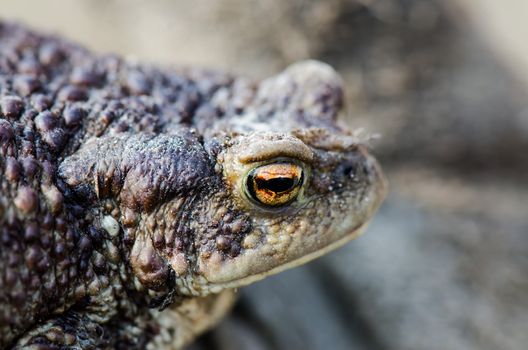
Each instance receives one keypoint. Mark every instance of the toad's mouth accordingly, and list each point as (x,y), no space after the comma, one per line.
(217,286)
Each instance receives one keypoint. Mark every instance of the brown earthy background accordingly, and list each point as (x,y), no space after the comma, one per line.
(445,263)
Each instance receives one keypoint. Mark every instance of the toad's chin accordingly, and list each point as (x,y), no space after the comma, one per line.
(253,266)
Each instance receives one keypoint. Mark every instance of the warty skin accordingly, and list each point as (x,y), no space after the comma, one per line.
(133,199)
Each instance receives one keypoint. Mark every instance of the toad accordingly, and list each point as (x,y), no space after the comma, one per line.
(134,199)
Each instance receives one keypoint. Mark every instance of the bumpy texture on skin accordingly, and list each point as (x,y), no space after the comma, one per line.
(122,191)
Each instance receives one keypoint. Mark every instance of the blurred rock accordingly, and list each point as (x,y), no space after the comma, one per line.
(442,265)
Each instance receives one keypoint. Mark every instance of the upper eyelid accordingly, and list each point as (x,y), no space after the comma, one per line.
(279,159)
(275,150)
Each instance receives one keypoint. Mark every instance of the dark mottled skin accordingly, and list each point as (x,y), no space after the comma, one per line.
(112,193)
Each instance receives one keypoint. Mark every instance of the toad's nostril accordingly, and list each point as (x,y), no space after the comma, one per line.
(347,171)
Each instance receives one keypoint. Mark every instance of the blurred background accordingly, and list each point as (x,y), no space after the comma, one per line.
(445,263)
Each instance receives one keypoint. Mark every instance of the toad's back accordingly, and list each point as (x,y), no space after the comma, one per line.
(54,96)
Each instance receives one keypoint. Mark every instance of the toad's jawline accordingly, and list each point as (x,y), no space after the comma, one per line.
(296,262)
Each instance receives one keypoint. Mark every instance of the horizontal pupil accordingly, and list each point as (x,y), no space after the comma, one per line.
(278,184)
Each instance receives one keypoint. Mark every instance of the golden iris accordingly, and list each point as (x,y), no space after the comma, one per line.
(275,184)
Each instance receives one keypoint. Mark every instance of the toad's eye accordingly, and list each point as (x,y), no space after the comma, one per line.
(275,184)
